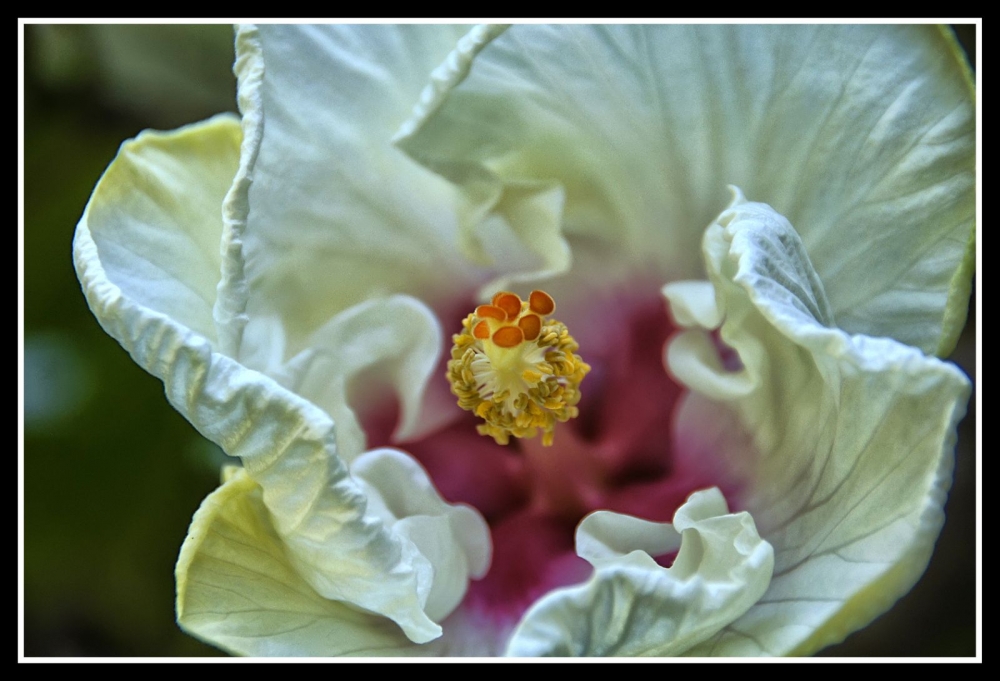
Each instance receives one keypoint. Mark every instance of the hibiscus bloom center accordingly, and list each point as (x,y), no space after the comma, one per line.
(622,453)
(516,369)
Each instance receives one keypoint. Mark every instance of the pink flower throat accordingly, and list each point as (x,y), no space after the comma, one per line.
(620,454)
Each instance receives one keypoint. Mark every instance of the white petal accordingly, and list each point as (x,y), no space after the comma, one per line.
(396,340)
(851,442)
(327,212)
(862,135)
(287,444)
(237,588)
(692,303)
(604,537)
(453,540)
(156,218)
(694,361)
(631,605)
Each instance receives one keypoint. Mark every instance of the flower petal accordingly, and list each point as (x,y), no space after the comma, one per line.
(395,340)
(328,213)
(159,243)
(238,589)
(862,135)
(631,605)
(693,303)
(287,444)
(852,441)
(454,540)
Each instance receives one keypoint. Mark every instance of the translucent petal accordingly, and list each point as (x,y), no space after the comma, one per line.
(862,135)
(850,441)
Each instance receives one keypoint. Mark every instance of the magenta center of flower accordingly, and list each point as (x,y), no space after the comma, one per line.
(620,454)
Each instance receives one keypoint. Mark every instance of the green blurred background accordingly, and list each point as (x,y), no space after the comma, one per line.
(112,474)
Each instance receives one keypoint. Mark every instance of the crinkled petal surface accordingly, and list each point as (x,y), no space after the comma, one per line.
(238,588)
(138,221)
(157,240)
(454,540)
(863,136)
(633,606)
(852,437)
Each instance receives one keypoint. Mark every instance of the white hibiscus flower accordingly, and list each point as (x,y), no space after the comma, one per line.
(760,471)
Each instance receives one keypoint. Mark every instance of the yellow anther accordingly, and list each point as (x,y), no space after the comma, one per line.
(516,369)
(531,376)
(553,403)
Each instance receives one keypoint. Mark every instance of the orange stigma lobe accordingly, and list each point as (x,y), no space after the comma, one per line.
(482,330)
(492,312)
(510,303)
(531,325)
(508,337)
(541,303)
